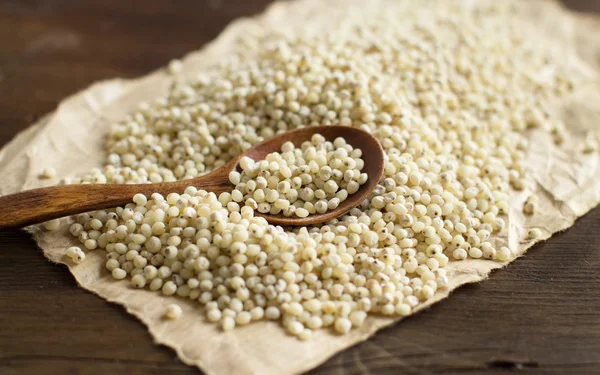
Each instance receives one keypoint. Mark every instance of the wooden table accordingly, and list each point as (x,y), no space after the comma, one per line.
(539,315)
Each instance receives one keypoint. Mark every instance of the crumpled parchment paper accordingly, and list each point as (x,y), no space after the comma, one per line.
(70,139)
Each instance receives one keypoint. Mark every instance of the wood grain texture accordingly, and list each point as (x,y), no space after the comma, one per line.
(540,315)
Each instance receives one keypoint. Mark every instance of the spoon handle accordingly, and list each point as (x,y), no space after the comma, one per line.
(39,205)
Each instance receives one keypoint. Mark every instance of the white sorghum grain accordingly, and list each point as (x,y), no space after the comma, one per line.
(119,273)
(140,200)
(295,328)
(448,96)
(530,205)
(111,264)
(78,257)
(71,251)
(503,254)
(173,312)
(52,225)
(214,315)
(174,66)
(343,325)
(534,233)
(227,323)
(48,172)
(305,335)
(403,309)
(138,281)
(243,318)
(272,313)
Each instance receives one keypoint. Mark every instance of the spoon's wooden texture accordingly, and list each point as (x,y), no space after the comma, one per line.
(39,205)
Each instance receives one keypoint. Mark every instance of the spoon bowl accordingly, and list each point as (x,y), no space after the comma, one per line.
(40,205)
(372,155)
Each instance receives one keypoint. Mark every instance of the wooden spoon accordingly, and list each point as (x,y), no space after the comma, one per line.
(39,205)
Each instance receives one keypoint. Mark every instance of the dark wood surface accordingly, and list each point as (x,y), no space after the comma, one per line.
(540,315)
